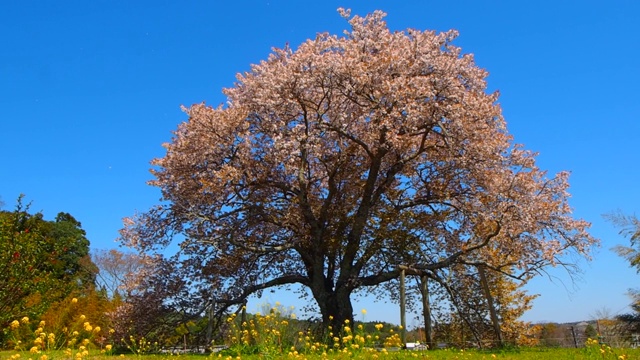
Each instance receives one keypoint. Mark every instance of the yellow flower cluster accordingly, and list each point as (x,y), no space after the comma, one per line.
(140,346)
(602,350)
(75,339)
(393,341)
(272,336)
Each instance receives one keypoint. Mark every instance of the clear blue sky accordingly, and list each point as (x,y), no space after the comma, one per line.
(89,90)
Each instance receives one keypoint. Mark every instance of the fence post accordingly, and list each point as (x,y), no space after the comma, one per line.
(426,311)
(403,320)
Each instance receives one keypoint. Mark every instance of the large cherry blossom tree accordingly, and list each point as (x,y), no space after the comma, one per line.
(336,165)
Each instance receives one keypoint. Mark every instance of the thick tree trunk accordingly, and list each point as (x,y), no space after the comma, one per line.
(335,307)
(492,309)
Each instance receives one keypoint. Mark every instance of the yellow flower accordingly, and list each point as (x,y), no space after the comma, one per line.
(74,300)
(108,347)
(41,324)
(44,357)
(82,317)
(25,320)
(15,324)
(97,329)
(364,311)
(34,350)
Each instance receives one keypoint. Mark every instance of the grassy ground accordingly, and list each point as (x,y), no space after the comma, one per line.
(588,353)
(273,336)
